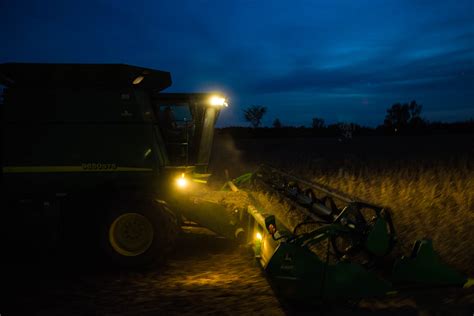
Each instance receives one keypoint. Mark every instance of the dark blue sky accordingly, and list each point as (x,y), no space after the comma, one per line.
(341,60)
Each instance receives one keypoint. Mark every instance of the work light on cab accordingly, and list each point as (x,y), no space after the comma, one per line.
(218,101)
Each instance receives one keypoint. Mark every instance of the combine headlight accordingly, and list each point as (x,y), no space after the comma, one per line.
(182,182)
(258,236)
(217,101)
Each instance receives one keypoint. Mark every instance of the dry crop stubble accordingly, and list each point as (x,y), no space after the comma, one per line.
(434,202)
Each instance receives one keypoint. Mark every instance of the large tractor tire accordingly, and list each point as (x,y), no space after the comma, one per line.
(138,233)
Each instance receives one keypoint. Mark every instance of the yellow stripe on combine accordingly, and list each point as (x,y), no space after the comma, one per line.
(59,169)
(201,175)
(199,181)
(469,283)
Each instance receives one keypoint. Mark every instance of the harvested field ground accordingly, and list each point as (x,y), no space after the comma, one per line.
(207,275)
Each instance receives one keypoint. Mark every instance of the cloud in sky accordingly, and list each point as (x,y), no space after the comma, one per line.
(339,59)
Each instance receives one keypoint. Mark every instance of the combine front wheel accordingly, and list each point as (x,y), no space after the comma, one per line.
(131,234)
(138,234)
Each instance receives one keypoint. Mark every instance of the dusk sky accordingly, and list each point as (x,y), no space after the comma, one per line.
(340,60)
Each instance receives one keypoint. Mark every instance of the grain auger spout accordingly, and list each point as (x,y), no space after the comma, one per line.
(342,249)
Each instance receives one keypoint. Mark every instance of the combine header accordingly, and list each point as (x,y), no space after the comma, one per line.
(341,250)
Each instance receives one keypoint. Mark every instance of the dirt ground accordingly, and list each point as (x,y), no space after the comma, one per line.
(206,275)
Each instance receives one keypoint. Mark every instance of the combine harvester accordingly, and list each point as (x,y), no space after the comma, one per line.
(99,152)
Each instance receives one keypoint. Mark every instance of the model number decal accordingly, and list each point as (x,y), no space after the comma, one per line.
(99,166)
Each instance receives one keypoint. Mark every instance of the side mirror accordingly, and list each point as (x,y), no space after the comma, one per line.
(270,224)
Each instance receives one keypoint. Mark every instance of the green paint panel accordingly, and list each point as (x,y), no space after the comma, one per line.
(424,267)
(298,273)
(378,241)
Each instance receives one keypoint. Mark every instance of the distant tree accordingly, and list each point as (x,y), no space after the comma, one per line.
(254,114)
(397,116)
(414,109)
(400,116)
(277,123)
(415,115)
(318,123)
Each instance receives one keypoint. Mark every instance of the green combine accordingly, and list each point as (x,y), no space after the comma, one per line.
(99,155)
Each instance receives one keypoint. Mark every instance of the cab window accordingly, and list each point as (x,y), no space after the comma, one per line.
(177,127)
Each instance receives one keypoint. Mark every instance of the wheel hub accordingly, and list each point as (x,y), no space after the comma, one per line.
(131,234)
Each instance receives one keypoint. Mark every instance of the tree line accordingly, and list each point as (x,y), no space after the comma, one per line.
(400,119)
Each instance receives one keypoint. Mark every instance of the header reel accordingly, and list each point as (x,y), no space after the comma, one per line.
(363,227)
